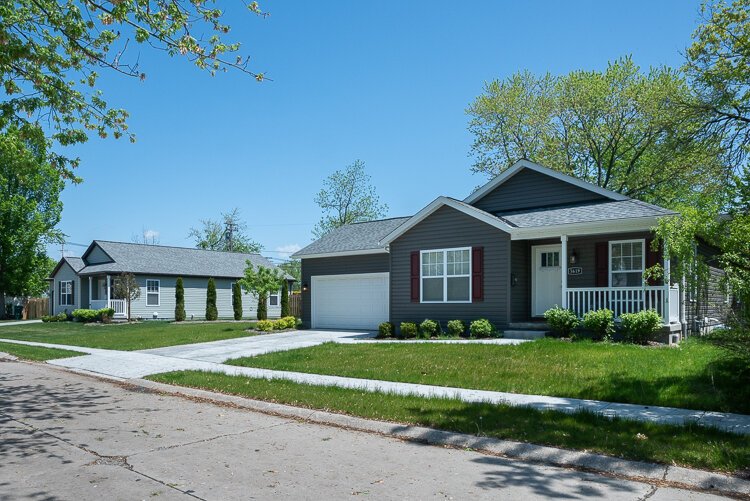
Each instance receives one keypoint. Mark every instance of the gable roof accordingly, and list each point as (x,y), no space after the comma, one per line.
(76,263)
(593,212)
(441,201)
(356,238)
(175,261)
(526,164)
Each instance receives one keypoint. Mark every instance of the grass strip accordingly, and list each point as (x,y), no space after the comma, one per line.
(127,337)
(695,375)
(690,445)
(37,353)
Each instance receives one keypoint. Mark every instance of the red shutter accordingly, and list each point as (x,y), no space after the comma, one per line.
(653,257)
(477,273)
(602,264)
(415,277)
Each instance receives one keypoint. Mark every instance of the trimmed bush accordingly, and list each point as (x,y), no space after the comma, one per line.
(408,330)
(429,328)
(287,322)
(284,298)
(60,317)
(84,315)
(211,312)
(640,328)
(601,323)
(262,307)
(385,330)
(456,328)
(237,301)
(481,328)
(105,315)
(265,325)
(561,322)
(179,301)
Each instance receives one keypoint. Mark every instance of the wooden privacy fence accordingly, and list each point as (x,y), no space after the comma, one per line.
(295,305)
(36,307)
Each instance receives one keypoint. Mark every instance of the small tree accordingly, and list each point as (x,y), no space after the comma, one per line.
(179,301)
(126,287)
(237,301)
(211,312)
(284,298)
(261,282)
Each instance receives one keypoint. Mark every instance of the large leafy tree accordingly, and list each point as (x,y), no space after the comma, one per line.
(29,211)
(347,196)
(228,234)
(621,129)
(52,53)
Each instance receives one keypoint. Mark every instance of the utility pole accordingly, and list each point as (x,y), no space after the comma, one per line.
(231,227)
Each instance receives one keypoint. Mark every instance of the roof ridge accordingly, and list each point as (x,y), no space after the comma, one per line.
(177,247)
(377,220)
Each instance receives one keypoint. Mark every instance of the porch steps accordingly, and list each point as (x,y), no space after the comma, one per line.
(528,326)
(521,334)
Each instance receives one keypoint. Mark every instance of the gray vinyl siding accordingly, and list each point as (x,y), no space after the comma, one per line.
(97,255)
(530,189)
(195,299)
(449,228)
(65,272)
(585,248)
(342,265)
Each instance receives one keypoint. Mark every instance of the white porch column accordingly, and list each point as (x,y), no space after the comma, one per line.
(564,269)
(108,293)
(89,291)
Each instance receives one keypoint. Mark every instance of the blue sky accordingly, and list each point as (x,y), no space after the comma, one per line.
(384,82)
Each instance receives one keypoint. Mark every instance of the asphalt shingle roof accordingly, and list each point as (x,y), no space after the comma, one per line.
(353,237)
(603,211)
(75,262)
(181,261)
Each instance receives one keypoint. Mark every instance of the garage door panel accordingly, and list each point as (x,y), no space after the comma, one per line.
(349,301)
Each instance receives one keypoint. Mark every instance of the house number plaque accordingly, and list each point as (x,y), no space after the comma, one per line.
(575,270)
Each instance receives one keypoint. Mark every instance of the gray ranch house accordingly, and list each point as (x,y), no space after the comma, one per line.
(88,281)
(528,240)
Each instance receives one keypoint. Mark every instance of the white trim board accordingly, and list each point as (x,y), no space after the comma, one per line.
(363,252)
(526,164)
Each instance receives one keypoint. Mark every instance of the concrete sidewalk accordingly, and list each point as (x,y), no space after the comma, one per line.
(19,322)
(127,365)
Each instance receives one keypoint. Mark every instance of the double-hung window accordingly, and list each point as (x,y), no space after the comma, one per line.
(152,292)
(273,298)
(66,292)
(627,260)
(446,276)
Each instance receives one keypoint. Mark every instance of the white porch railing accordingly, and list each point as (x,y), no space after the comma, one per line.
(119,305)
(626,300)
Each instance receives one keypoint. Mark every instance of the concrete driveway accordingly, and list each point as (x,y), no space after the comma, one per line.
(70,436)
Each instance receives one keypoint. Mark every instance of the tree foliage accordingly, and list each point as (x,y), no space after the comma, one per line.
(212,313)
(51,53)
(179,301)
(620,128)
(237,301)
(347,196)
(126,287)
(293,268)
(30,209)
(228,234)
(261,281)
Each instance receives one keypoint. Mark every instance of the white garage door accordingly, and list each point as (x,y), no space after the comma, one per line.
(349,301)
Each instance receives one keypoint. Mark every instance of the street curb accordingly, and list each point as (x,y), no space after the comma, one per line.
(652,473)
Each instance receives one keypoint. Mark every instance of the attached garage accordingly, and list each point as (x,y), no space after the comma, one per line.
(356,301)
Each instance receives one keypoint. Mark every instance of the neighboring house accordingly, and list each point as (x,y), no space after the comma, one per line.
(528,240)
(88,281)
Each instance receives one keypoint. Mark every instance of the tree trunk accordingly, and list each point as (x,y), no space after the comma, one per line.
(2,305)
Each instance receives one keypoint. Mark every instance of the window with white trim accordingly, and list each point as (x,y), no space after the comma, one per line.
(66,292)
(627,260)
(273,298)
(446,276)
(153,292)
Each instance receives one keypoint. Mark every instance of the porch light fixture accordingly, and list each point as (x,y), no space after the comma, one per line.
(305,287)
(573,259)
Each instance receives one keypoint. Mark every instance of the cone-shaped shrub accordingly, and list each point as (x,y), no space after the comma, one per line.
(211,311)
(179,301)
(284,299)
(237,301)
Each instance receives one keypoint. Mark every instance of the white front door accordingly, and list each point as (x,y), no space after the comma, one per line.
(546,278)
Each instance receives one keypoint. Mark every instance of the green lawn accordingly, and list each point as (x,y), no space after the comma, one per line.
(37,353)
(689,446)
(693,376)
(128,337)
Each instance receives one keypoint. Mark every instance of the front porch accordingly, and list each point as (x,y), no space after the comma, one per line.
(101,295)
(590,272)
